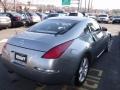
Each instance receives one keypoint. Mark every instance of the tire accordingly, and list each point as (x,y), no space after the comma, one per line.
(82,71)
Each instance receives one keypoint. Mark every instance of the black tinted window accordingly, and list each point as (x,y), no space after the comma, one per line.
(52,15)
(53,26)
(102,15)
(73,14)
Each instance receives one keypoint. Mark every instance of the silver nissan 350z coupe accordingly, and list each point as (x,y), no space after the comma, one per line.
(58,50)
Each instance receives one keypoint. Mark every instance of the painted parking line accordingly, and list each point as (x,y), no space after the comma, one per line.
(93,79)
(65,87)
(91,83)
(41,88)
(3,40)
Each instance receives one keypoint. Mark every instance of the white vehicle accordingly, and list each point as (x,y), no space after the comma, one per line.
(5,21)
(76,14)
(103,18)
(90,15)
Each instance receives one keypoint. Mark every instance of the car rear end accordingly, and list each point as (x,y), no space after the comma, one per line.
(33,55)
(16,19)
(34,18)
(5,21)
(40,65)
(103,18)
(116,19)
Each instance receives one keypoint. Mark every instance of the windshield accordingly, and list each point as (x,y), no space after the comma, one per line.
(53,26)
(102,15)
(116,16)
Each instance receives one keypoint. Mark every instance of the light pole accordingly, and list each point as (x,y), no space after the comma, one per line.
(79,1)
(85,5)
(15,5)
(89,5)
(80,4)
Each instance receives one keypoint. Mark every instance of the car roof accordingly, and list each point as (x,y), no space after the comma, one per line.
(76,18)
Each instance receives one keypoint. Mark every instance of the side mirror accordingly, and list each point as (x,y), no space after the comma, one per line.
(104,29)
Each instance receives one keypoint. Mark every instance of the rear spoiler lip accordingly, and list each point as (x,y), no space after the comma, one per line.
(25,47)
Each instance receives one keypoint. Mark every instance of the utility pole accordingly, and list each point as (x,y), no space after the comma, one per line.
(15,5)
(79,5)
(85,6)
(89,5)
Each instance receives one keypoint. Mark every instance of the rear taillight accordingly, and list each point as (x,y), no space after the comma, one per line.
(17,18)
(57,51)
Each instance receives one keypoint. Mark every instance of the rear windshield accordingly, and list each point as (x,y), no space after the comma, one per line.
(73,14)
(53,26)
(116,16)
(16,14)
(52,15)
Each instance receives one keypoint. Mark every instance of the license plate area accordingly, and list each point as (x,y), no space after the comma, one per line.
(20,57)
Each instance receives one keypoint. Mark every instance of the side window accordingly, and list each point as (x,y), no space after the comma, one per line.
(87,30)
(94,26)
(87,36)
(95,30)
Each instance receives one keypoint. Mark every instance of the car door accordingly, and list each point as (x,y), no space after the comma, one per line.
(99,38)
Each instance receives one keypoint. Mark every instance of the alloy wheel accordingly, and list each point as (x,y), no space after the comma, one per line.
(83,70)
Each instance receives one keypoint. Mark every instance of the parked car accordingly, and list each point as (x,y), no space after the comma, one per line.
(16,18)
(55,15)
(103,18)
(116,19)
(42,15)
(34,18)
(5,21)
(58,50)
(30,18)
(25,19)
(90,15)
(76,14)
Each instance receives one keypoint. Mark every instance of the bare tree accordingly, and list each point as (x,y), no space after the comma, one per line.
(3,4)
(8,5)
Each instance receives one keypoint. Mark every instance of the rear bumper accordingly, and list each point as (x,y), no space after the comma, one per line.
(2,25)
(17,23)
(41,76)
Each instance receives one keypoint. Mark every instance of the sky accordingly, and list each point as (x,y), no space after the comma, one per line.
(97,4)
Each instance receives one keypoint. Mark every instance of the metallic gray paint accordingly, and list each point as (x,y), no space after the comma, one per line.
(34,45)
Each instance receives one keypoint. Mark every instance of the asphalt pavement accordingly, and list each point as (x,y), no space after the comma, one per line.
(103,75)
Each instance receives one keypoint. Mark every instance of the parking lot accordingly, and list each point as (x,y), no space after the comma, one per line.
(103,75)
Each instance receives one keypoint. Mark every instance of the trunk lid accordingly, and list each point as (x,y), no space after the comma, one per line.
(34,41)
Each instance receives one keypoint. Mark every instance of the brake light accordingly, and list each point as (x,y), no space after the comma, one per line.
(57,51)
(17,18)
